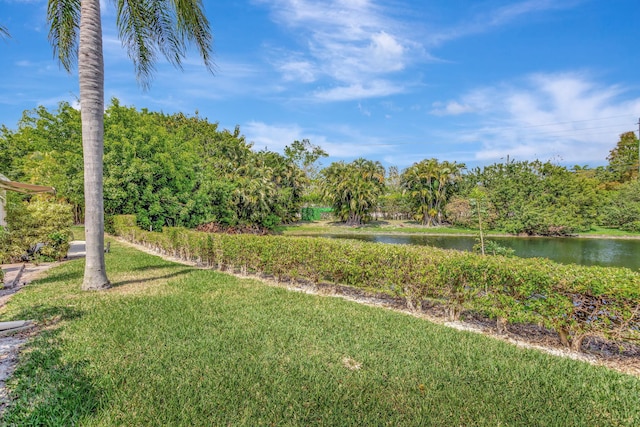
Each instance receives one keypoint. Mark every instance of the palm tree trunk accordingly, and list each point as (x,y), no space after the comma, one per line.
(91,77)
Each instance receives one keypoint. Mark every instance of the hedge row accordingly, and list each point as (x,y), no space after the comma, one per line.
(576,301)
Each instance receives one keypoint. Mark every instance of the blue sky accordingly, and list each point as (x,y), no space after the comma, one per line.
(472,81)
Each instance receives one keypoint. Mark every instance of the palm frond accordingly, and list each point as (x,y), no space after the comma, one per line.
(64,22)
(133,21)
(149,27)
(4,33)
(194,26)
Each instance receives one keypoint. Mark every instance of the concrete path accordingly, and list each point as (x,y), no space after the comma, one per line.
(15,274)
(76,249)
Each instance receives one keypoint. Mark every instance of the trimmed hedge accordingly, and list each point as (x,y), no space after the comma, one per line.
(576,301)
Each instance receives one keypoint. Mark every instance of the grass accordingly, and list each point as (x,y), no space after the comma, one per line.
(413,227)
(608,232)
(78,232)
(173,345)
(392,226)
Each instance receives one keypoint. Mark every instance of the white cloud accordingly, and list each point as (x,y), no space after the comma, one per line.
(386,53)
(364,111)
(453,108)
(347,43)
(476,101)
(345,144)
(363,90)
(298,70)
(272,137)
(485,21)
(566,116)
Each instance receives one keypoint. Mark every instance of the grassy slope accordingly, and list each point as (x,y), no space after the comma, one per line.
(411,227)
(171,345)
(374,227)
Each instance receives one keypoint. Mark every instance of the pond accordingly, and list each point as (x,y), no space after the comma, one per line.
(566,250)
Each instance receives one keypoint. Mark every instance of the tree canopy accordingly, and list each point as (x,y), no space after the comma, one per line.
(429,184)
(176,169)
(353,189)
(167,170)
(623,159)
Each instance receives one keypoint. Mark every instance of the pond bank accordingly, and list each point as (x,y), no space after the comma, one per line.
(598,251)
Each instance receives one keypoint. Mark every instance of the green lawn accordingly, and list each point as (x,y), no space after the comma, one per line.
(609,232)
(78,232)
(373,227)
(173,345)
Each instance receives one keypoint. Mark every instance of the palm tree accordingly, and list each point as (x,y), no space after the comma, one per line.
(353,189)
(429,184)
(145,28)
(4,32)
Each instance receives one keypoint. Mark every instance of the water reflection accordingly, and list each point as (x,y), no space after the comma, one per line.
(603,252)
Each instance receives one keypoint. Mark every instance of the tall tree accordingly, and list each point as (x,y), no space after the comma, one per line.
(623,159)
(353,189)
(429,184)
(306,156)
(145,28)
(394,204)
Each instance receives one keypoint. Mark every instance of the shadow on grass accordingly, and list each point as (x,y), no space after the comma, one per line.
(154,267)
(68,276)
(47,313)
(182,272)
(48,389)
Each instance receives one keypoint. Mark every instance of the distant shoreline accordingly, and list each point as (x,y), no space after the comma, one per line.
(323,228)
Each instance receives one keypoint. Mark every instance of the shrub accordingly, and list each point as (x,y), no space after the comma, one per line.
(491,247)
(4,244)
(633,226)
(574,300)
(40,221)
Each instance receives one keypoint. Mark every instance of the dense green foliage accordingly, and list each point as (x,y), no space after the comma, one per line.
(165,169)
(47,149)
(40,221)
(623,159)
(176,170)
(574,300)
(428,185)
(532,198)
(314,213)
(353,189)
(173,345)
(306,157)
(623,209)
